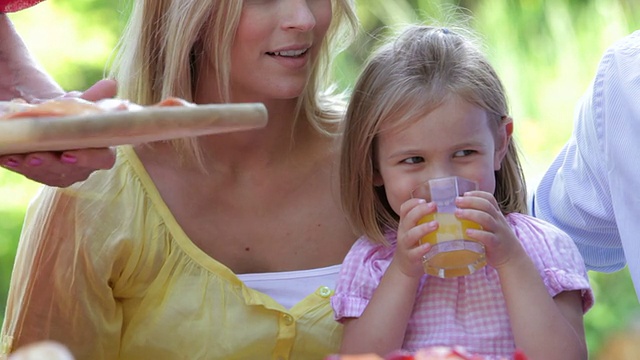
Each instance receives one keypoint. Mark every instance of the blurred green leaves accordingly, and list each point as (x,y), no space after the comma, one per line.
(71,39)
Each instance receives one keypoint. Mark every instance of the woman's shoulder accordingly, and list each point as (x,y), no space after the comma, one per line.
(111,219)
(121,182)
(115,196)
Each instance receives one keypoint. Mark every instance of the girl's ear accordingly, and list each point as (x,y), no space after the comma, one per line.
(377,178)
(503,137)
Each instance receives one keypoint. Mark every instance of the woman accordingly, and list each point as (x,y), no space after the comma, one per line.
(227,246)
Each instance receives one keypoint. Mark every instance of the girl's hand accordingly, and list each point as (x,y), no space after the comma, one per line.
(409,252)
(501,244)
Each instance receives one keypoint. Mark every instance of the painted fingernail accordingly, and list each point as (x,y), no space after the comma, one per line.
(12,163)
(35,161)
(69,159)
(72,94)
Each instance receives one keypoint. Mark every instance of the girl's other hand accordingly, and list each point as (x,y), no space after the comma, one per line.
(501,244)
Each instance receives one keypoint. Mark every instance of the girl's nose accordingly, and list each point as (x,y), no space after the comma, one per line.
(437,173)
(299,16)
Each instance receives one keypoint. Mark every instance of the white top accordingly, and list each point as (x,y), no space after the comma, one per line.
(290,287)
(592,189)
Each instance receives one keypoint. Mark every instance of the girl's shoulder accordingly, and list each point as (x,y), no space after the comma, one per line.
(529,228)
(554,254)
(366,254)
(547,245)
(364,246)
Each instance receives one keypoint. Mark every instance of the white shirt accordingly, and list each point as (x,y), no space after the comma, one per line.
(290,287)
(592,189)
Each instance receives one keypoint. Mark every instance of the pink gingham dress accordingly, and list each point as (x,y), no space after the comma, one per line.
(468,311)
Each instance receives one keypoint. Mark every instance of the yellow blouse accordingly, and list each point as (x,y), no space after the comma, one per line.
(104,268)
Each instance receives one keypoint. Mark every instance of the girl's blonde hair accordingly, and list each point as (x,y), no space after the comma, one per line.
(163,40)
(404,80)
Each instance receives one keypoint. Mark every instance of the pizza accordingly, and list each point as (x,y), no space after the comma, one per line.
(18,108)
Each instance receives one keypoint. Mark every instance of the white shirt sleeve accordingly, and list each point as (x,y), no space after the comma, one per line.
(592,189)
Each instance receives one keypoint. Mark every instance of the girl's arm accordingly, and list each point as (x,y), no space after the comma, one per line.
(545,328)
(382,326)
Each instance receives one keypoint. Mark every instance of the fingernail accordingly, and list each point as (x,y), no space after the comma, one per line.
(72,94)
(12,163)
(69,159)
(35,161)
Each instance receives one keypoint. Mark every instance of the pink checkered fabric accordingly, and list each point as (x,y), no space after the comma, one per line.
(468,311)
(7,6)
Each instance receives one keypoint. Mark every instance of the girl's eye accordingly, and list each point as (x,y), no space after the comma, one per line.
(413,160)
(463,153)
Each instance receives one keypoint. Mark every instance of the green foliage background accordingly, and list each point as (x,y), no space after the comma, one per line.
(545,51)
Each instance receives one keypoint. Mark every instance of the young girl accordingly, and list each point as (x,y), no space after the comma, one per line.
(429,105)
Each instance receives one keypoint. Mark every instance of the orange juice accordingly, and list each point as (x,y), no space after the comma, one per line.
(453,253)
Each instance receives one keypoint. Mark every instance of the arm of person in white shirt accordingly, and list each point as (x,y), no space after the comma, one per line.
(592,190)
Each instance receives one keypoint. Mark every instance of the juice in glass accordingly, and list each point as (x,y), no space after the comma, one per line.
(452,253)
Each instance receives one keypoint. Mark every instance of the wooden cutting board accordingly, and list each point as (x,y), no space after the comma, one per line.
(112,128)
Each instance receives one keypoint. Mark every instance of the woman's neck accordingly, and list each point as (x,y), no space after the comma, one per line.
(282,142)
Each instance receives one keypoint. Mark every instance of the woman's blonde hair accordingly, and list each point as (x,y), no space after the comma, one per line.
(163,40)
(404,80)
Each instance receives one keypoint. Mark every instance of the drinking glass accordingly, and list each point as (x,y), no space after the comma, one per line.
(452,252)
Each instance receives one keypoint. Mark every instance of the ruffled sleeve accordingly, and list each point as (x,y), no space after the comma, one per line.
(555,255)
(361,271)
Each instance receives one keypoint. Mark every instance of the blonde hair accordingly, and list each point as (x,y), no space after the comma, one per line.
(402,81)
(163,39)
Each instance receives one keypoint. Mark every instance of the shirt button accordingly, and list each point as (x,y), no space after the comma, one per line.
(288,320)
(324,291)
